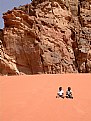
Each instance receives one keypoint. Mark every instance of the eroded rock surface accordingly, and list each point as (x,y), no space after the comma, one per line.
(46,37)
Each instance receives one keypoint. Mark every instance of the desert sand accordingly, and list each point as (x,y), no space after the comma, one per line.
(33,98)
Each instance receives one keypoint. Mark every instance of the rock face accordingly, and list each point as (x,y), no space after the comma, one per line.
(84,37)
(46,36)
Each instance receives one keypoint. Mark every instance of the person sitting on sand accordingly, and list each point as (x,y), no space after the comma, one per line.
(69,93)
(60,93)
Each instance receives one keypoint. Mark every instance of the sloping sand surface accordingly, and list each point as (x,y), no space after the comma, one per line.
(33,98)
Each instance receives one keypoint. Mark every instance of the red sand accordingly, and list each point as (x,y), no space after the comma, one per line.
(33,98)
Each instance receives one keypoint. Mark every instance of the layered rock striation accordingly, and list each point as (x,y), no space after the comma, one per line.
(50,36)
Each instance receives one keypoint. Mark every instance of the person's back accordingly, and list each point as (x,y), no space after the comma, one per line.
(60,93)
(69,93)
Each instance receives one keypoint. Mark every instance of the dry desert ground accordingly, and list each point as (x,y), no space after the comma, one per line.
(33,98)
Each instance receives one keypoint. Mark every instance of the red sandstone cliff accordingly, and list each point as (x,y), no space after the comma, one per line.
(50,36)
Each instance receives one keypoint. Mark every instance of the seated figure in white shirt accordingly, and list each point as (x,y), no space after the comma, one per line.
(69,93)
(60,93)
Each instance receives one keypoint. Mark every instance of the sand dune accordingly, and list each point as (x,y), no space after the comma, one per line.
(33,98)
